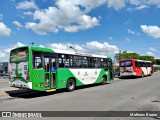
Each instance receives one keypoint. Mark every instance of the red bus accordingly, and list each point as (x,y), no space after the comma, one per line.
(133,67)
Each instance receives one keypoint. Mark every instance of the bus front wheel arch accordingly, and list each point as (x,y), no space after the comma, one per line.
(71,84)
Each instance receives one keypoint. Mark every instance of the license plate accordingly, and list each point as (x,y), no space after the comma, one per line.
(17,78)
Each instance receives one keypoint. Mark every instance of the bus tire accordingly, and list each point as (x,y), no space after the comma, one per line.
(104,80)
(71,84)
(142,75)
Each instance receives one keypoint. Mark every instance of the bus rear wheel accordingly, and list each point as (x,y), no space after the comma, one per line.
(104,80)
(142,75)
(71,85)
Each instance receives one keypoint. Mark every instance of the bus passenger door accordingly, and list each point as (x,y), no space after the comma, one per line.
(110,66)
(53,72)
(50,72)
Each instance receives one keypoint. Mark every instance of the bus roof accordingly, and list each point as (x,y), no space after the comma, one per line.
(81,54)
(136,60)
(44,49)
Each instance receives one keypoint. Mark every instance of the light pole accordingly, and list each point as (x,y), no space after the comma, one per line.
(119,55)
(73,48)
(32,43)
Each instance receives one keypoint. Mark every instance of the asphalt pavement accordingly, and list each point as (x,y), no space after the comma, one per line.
(131,94)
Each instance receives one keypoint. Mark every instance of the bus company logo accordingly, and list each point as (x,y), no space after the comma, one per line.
(78,73)
(6,114)
(96,72)
(85,74)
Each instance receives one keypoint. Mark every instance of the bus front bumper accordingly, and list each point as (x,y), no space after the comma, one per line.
(20,84)
(127,74)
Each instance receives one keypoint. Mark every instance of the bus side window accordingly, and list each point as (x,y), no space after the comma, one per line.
(63,61)
(105,64)
(90,62)
(78,62)
(46,60)
(66,61)
(60,61)
(137,64)
(37,60)
(85,61)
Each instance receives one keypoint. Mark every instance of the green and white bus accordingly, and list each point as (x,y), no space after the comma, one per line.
(45,69)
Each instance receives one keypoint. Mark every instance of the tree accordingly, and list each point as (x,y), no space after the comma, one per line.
(157,61)
(124,55)
(148,58)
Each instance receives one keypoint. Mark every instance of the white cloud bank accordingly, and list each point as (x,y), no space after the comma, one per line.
(72,15)
(4,30)
(65,16)
(93,47)
(150,53)
(26,5)
(153,31)
(18,24)
(153,49)
(4,54)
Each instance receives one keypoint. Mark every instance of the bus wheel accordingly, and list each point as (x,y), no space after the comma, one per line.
(142,75)
(104,80)
(71,85)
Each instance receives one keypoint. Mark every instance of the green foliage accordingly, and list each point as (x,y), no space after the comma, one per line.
(157,61)
(124,55)
(156,69)
(149,58)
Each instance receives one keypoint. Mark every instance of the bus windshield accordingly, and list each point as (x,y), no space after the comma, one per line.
(19,55)
(127,63)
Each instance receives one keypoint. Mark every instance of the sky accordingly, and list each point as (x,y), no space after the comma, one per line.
(92,26)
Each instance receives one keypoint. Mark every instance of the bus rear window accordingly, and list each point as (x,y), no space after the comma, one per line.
(19,55)
(127,63)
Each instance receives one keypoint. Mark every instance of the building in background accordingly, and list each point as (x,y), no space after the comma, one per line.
(3,68)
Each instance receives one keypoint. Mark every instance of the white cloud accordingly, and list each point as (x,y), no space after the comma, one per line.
(153,2)
(153,31)
(41,46)
(110,38)
(128,39)
(135,2)
(4,30)
(12,46)
(61,46)
(65,16)
(28,13)
(72,15)
(17,24)
(133,32)
(140,7)
(150,54)
(4,54)
(101,48)
(93,47)
(153,49)
(116,4)
(26,5)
